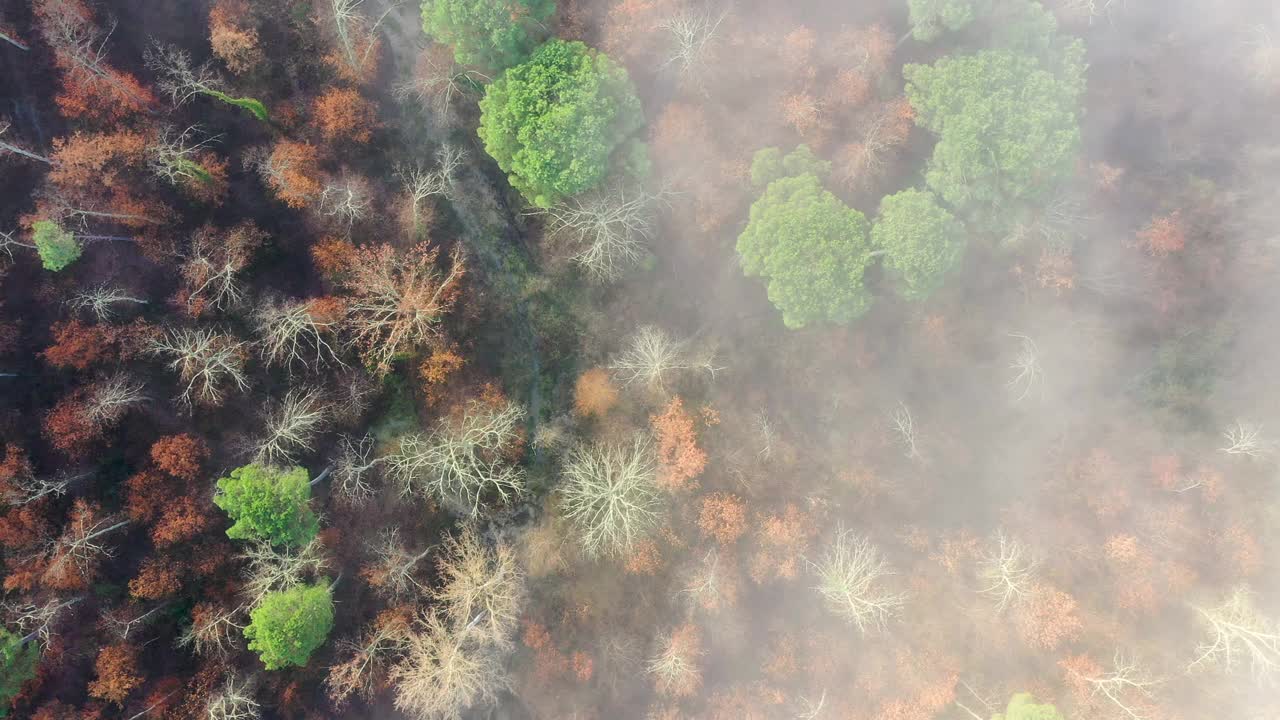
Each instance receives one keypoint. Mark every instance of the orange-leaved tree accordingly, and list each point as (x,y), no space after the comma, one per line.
(679,457)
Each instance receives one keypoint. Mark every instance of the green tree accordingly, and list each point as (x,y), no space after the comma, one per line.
(556,123)
(931,18)
(18,660)
(920,240)
(269,504)
(813,250)
(1023,707)
(289,625)
(770,164)
(58,248)
(1008,129)
(494,34)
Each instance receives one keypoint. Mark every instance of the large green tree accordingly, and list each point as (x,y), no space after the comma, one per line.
(58,247)
(809,245)
(1023,707)
(1008,127)
(920,241)
(269,504)
(931,18)
(289,625)
(557,123)
(18,662)
(494,34)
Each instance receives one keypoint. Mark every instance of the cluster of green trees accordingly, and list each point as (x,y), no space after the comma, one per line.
(272,505)
(1007,119)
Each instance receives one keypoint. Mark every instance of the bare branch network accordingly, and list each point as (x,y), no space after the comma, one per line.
(206,361)
(445,673)
(1245,438)
(1124,686)
(466,461)
(291,427)
(1239,635)
(395,570)
(101,301)
(483,589)
(296,333)
(269,568)
(652,357)
(355,470)
(609,495)
(1026,368)
(607,228)
(1008,573)
(850,579)
(173,155)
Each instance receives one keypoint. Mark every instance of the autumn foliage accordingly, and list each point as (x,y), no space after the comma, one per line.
(343,115)
(116,673)
(293,172)
(594,393)
(180,455)
(233,38)
(723,517)
(679,457)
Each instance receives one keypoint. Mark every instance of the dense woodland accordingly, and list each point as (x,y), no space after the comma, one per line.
(723,360)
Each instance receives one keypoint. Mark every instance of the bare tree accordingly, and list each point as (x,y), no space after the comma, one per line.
(101,301)
(26,488)
(177,78)
(212,265)
(1120,685)
(675,668)
(1008,573)
(420,183)
(6,146)
(213,629)
(693,33)
(297,332)
(606,229)
(8,243)
(395,569)
(355,36)
(711,586)
(234,701)
(122,621)
(399,300)
(767,435)
(367,660)
(291,426)
(444,673)
(270,568)
(81,547)
(173,155)
(850,576)
(1026,366)
(1244,438)
(464,461)
(110,399)
(71,32)
(39,622)
(652,357)
(1238,635)
(206,362)
(440,83)
(354,471)
(905,425)
(483,588)
(346,199)
(609,495)
(808,709)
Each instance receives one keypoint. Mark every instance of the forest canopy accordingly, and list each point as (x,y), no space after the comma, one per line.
(639,359)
